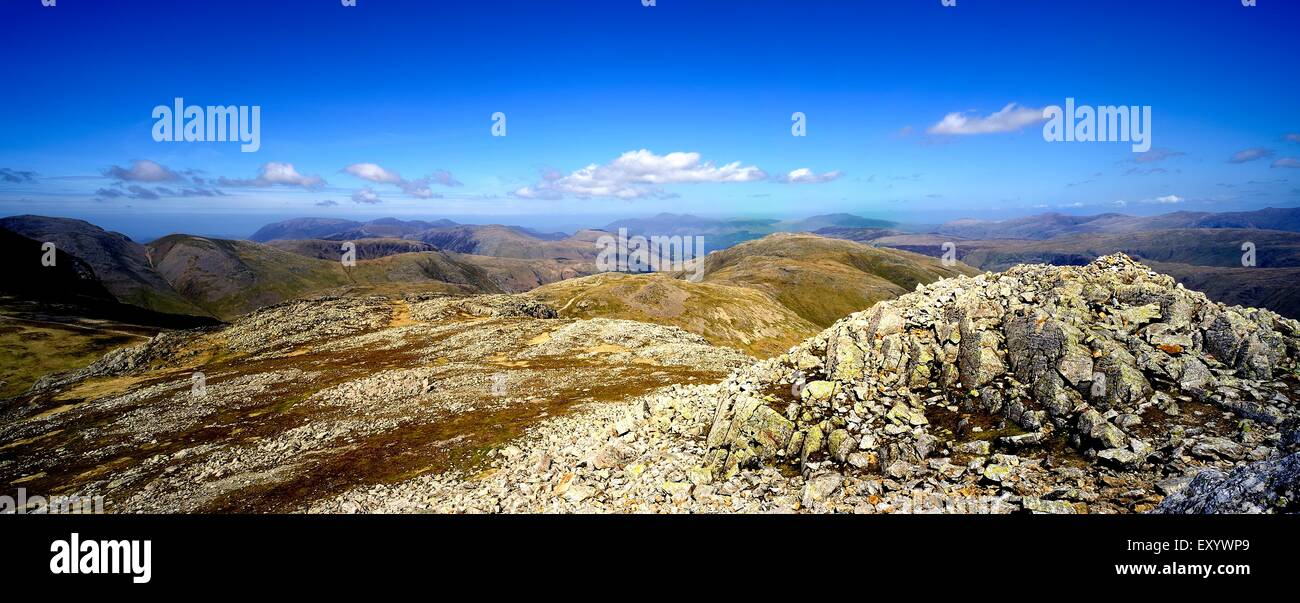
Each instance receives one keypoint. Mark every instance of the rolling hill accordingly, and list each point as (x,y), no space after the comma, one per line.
(822,279)
(229,278)
(760,296)
(726,315)
(512,242)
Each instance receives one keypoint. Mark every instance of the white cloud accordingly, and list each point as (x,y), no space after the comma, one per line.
(418,188)
(284,173)
(1011,118)
(807,176)
(530,192)
(373,172)
(1287,162)
(1165,200)
(637,174)
(274,173)
(143,170)
(366,196)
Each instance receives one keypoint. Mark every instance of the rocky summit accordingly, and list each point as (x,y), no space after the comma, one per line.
(1103,388)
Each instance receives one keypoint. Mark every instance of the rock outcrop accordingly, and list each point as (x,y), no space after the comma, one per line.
(1271,486)
(1109,367)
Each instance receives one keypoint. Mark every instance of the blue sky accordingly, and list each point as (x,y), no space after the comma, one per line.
(705,89)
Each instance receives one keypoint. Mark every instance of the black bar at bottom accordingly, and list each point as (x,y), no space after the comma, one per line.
(505,552)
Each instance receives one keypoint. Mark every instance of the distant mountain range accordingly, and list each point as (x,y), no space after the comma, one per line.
(185,275)
(1050,225)
(223,278)
(344,230)
(1190,246)
(334,228)
(766,283)
(520,242)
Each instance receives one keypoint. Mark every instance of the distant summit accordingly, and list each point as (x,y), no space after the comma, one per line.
(840,220)
(340,229)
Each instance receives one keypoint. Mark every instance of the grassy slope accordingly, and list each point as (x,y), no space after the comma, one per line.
(230,278)
(821,279)
(760,296)
(33,344)
(735,317)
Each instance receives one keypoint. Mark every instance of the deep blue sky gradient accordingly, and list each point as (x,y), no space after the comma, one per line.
(410,85)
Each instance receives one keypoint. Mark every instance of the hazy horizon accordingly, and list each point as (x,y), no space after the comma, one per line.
(147,227)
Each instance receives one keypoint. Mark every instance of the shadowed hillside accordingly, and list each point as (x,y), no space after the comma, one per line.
(121,265)
(61,317)
(229,278)
(367,249)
